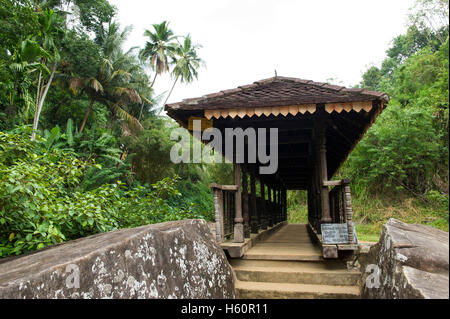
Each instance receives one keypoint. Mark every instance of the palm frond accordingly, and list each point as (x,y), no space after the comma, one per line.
(124,115)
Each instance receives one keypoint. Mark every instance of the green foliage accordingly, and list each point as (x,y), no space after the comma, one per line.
(407,148)
(43,202)
(100,162)
(394,153)
(297,203)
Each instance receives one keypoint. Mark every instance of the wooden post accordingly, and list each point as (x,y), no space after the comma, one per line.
(326,218)
(269,209)
(275,204)
(280,208)
(254,223)
(238,220)
(263,204)
(218,213)
(348,211)
(245,206)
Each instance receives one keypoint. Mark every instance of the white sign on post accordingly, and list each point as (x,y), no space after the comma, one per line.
(336,234)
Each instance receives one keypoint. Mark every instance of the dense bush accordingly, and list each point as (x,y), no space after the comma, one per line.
(42,202)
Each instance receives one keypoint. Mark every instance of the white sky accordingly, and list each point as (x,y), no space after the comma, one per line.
(246,40)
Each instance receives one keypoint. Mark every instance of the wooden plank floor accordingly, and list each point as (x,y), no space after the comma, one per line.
(291,242)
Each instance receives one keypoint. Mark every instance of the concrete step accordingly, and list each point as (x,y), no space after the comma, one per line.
(332,273)
(266,290)
(284,251)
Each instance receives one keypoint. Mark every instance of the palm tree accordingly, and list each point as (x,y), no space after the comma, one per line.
(50,31)
(186,63)
(158,49)
(26,60)
(111,85)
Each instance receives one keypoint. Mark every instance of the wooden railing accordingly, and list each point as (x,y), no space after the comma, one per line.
(224,210)
(261,214)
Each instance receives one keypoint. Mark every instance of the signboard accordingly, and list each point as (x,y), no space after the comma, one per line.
(336,234)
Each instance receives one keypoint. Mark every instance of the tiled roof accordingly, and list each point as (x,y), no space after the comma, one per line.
(278,91)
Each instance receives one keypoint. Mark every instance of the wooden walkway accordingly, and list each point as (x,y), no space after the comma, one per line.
(289,265)
(291,242)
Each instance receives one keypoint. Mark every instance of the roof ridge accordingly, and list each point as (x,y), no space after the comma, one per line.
(278,78)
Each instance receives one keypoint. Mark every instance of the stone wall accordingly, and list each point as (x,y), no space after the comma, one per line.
(409,261)
(177,259)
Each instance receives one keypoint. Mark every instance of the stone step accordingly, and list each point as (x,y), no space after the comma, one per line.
(315,273)
(266,290)
(284,251)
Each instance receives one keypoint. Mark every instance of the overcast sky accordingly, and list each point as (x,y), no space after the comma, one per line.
(247,40)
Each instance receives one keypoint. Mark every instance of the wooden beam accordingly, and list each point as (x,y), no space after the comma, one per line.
(331,183)
(224,187)
(293,155)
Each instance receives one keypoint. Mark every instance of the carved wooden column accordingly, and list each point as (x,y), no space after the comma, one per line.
(348,210)
(275,204)
(245,206)
(269,208)
(324,193)
(238,220)
(263,204)
(218,213)
(280,205)
(254,222)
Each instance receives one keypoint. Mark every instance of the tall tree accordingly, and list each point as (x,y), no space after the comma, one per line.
(111,85)
(157,50)
(26,60)
(186,63)
(50,34)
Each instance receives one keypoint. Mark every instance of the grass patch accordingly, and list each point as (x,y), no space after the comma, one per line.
(371,212)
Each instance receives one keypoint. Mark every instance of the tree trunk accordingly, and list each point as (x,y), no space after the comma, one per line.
(142,105)
(140,112)
(154,78)
(41,103)
(86,116)
(38,90)
(168,95)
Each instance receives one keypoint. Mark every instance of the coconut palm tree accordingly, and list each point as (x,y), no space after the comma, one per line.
(157,50)
(186,63)
(50,33)
(26,60)
(111,85)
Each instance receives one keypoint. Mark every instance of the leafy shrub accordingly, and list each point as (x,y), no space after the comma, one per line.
(42,202)
(400,150)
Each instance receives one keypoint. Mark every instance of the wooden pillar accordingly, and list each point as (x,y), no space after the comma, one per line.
(275,204)
(280,207)
(238,220)
(348,211)
(245,205)
(324,193)
(263,211)
(284,204)
(281,204)
(218,213)
(269,208)
(315,188)
(254,222)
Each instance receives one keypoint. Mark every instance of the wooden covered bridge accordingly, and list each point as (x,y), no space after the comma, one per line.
(318,126)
